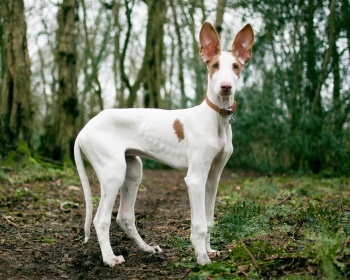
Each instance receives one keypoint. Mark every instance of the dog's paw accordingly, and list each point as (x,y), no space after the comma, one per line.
(113,260)
(152,249)
(202,259)
(213,253)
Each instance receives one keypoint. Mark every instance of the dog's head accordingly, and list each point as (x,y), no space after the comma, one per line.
(225,66)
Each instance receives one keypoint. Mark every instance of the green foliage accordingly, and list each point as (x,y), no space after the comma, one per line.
(294,115)
(44,239)
(284,227)
(265,140)
(21,167)
(23,149)
(176,241)
(26,183)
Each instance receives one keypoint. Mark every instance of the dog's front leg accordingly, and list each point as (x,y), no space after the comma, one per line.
(211,191)
(195,181)
(210,196)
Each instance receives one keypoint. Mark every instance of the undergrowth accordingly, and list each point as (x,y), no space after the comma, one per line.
(285,227)
(21,167)
(20,170)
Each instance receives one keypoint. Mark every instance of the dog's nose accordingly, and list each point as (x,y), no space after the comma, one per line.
(226,86)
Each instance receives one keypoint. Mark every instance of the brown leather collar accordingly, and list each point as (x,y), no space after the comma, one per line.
(222,111)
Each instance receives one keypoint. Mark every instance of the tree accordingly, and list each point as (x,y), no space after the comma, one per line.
(92,57)
(198,70)
(66,111)
(153,79)
(303,88)
(180,55)
(220,15)
(16,113)
(125,79)
(150,73)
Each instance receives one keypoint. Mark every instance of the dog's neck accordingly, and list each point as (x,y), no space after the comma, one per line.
(226,102)
(222,111)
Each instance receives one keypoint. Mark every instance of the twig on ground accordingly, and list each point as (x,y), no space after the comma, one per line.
(72,204)
(49,160)
(11,223)
(250,254)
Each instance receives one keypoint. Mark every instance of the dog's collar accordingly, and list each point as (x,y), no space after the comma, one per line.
(222,111)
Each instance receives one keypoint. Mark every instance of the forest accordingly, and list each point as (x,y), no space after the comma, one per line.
(62,62)
(283,204)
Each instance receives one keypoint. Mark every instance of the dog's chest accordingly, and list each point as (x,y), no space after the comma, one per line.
(224,140)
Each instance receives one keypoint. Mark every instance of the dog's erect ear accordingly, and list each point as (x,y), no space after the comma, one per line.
(243,43)
(209,40)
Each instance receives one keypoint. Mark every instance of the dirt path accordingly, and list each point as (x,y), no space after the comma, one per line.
(39,240)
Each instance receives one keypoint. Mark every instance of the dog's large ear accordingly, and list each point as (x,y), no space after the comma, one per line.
(243,43)
(209,40)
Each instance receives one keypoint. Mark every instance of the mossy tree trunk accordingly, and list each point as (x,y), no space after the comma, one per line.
(16,116)
(67,102)
(154,53)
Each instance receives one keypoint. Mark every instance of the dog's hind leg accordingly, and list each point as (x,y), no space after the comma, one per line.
(128,193)
(111,176)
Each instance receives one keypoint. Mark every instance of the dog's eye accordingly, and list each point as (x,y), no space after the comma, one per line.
(235,66)
(216,65)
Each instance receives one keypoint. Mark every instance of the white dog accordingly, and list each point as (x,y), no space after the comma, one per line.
(198,139)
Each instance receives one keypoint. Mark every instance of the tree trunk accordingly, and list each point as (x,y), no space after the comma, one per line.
(119,87)
(180,56)
(132,88)
(16,114)
(67,102)
(197,62)
(150,73)
(313,126)
(154,53)
(220,15)
(94,56)
(345,8)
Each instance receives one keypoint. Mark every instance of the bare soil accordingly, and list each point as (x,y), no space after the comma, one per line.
(41,231)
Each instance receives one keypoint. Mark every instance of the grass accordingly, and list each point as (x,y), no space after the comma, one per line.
(284,227)
(27,169)
(22,171)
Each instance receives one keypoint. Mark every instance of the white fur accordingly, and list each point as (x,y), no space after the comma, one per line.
(114,139)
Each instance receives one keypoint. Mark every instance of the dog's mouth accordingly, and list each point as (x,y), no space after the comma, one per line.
(225,93)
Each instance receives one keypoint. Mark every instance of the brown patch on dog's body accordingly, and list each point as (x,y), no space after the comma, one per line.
(179,130)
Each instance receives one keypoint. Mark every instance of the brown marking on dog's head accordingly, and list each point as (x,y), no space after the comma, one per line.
(179,130)
(213,65)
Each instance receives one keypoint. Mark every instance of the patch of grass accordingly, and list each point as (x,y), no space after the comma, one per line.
(21,174)
(44,239)
(22,195)
(95,200)
(20,167)
(179,242)
(284,227)
(41,173)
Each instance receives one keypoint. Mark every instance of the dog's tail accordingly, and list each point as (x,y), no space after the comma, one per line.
(86,188)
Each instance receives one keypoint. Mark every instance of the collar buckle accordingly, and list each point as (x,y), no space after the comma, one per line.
(226,112)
